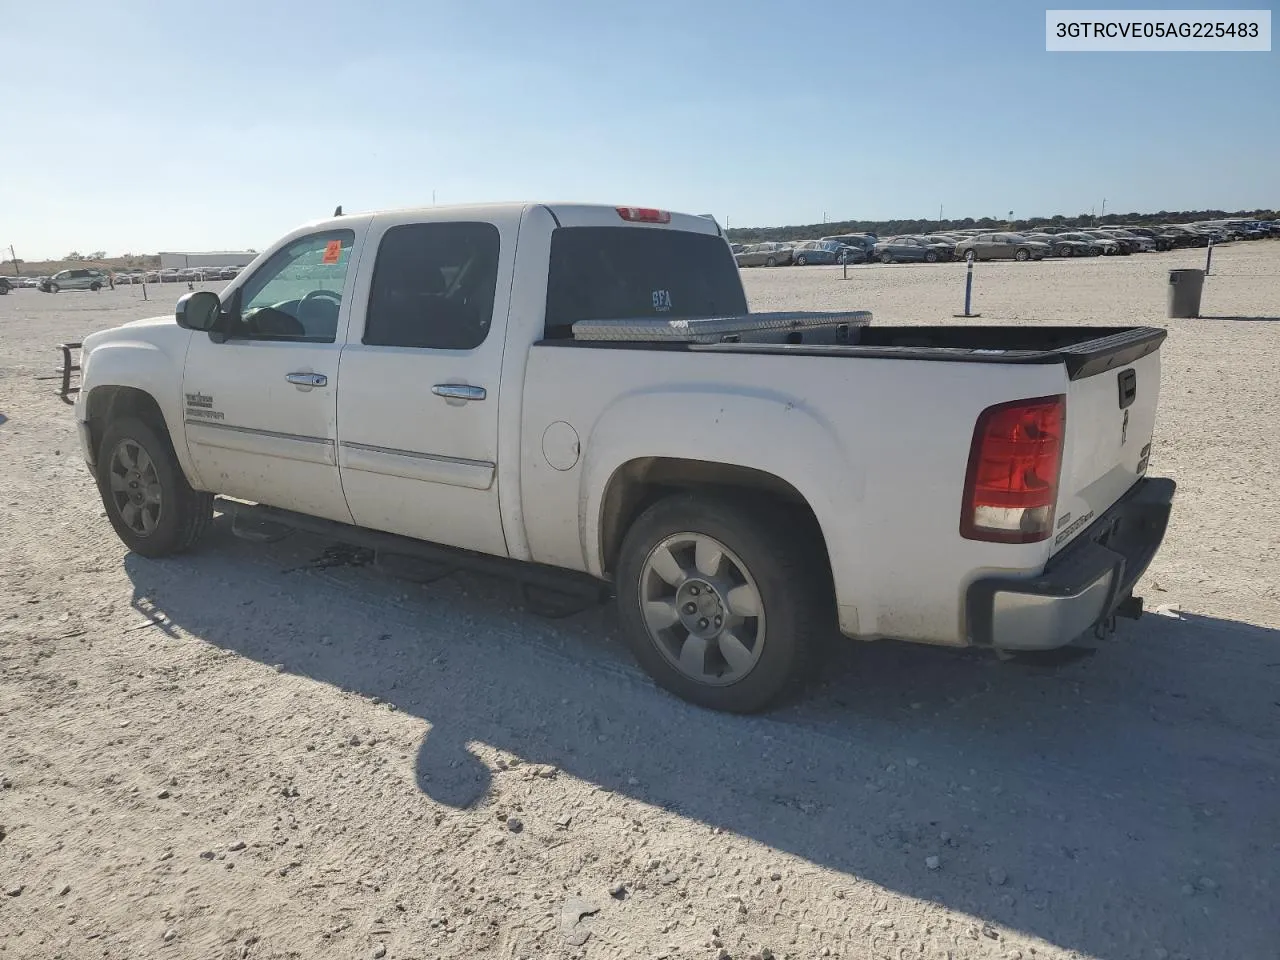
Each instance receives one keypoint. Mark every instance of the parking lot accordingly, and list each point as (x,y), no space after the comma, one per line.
(265,751)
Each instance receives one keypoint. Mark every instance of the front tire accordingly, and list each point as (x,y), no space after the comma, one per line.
(771,262)
(801,260)
(720,603)
(95,287)
(54,288)
(886,258)
(931,256)
(153,509)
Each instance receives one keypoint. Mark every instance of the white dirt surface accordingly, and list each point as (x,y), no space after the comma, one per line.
(233,754)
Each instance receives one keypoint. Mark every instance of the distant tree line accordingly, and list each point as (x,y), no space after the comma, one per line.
(890,228)
(98,258)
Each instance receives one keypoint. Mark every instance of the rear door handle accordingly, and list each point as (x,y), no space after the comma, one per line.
(307,379)
(459,391)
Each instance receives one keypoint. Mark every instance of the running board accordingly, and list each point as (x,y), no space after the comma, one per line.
(548,591)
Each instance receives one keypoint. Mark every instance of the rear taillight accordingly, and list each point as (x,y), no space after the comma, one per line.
(1012,484)
(644,215)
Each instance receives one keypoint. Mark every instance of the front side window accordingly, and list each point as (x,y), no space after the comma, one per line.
(297,293)
(433,286)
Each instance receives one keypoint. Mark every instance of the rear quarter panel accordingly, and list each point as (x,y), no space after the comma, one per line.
(878,448)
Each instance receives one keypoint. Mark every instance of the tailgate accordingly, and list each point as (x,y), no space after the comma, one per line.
(1111,415)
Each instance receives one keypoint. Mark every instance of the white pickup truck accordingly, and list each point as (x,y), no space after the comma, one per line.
(436,378)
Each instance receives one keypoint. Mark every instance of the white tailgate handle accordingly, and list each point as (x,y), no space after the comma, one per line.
(459,391)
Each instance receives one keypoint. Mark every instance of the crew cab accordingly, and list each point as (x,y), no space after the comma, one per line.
(517,383)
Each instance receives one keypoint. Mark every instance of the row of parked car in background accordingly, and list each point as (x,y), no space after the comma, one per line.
(970,244)
(91,278)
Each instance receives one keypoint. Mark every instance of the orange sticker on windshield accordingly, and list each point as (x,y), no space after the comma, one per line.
(332,252)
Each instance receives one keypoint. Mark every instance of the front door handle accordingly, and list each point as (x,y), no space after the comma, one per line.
(459,391)
(307,379)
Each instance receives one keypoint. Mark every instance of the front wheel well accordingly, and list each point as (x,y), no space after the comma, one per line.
(108,403)
(638,484)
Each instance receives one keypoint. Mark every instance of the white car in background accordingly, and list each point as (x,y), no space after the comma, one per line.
(1145,244)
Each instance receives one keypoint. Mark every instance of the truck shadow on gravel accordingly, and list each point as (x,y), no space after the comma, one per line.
(1113,805)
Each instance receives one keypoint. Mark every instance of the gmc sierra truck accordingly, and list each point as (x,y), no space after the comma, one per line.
(581,389)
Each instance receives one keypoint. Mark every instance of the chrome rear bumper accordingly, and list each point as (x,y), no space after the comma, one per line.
(1082,586)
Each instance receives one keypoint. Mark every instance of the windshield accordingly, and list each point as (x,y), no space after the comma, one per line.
(617,273)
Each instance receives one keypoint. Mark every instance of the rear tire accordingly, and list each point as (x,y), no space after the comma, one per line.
(771,262)
(931,256)
(95,287)
(153,509)
(690,559)
(1022,256)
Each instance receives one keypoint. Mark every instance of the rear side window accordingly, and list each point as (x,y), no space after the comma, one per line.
(619,273)
(433,286)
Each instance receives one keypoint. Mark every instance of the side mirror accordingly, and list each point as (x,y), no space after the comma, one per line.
(198,311)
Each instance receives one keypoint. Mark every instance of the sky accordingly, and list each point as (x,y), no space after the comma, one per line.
(140,126)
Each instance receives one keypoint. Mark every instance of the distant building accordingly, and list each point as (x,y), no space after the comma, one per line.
(222,258)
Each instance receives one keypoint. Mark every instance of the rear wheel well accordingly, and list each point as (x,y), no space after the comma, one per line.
(638,484)
(110,403)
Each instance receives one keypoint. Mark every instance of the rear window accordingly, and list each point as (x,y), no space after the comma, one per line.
(619,273)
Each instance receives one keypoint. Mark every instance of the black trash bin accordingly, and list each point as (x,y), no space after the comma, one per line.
(1185,287)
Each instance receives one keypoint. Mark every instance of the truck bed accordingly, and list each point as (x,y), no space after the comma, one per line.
(1084,350)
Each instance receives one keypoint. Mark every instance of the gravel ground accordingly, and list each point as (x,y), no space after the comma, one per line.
(244,754)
